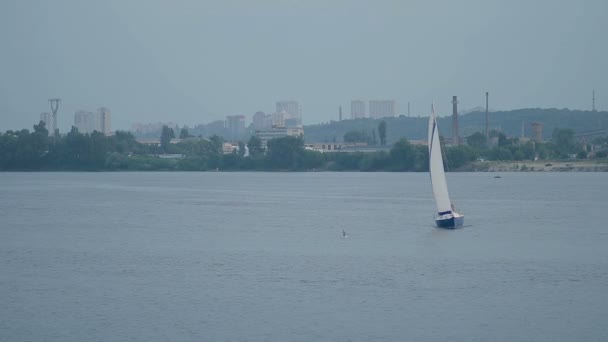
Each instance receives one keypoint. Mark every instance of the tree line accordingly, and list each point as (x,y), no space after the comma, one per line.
(26,150)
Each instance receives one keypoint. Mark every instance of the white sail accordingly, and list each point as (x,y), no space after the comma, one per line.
(438,182)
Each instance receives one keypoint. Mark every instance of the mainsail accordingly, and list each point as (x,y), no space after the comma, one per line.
(438,182)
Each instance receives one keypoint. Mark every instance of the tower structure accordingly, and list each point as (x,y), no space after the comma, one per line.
(593,101)
(54,107)
(455,138)
(408,109)
(487,136)
(340,113)
(537,130)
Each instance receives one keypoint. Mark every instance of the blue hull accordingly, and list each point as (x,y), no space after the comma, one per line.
(452,222)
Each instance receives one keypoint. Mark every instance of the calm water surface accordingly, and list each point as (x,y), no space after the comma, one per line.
(259,257)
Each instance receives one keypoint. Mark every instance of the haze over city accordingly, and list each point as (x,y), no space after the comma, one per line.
(194,62)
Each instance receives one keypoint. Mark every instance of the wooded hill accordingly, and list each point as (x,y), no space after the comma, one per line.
(507,122)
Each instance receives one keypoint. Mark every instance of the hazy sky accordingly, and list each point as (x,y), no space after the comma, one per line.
(197,61)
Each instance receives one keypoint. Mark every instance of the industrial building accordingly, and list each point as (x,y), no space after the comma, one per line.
(381,109)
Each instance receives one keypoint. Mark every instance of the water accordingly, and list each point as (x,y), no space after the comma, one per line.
(259,257)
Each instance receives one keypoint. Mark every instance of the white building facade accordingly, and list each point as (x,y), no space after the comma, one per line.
(291,111)
(381,109)
(89,122)
(357,109)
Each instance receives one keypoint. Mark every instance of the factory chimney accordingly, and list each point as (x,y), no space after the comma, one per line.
(455,138)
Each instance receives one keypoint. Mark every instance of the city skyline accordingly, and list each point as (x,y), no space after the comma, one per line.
(209,60)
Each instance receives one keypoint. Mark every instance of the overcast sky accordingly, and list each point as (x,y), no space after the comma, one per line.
(197,61)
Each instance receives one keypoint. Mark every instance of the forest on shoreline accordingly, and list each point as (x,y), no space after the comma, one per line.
(35,150)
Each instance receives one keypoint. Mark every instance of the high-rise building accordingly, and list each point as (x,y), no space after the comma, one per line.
(47,119)
(235,126)
(216,127)
(81,121)
(278,119)
(291,111)
(260,121)
(89,122)
(103,118)
(381,108)
(357,109)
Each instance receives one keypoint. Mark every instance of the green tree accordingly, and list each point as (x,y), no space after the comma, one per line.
(477,140)
(165,138)
(458,156)
(563,139)
(97,150)
(285,152)
(403,155)
(74,150)
(255,146)
(382,132)
(241,151)
(183,133)
(124,142)
(502,140)
(581,155)
(217,142)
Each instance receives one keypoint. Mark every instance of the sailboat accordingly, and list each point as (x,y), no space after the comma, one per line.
(446,216)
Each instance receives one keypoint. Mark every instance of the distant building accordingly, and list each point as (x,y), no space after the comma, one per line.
(292,122)
(345,147)
(217,127)
(104,120)
(381,109)
(262,121)
(47,119)
(89,122)
(537,131)
(281,132)
(278,119)
(81,120)
(230,147)
(290,110)
(152,130)
(235,126)
(155,141)
(357,109)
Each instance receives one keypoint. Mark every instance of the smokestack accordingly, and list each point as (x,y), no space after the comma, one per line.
(340,113)
(487,137)
(455,138)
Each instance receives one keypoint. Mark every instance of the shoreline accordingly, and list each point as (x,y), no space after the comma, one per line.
(537,166)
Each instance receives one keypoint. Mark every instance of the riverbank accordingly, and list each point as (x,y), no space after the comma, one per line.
(538,166)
